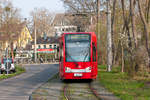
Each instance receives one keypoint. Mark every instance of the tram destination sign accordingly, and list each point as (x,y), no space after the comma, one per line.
(74,37)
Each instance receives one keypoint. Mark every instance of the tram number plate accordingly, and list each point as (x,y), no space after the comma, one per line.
(78,74)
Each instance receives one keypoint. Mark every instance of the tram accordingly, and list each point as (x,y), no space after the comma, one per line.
(78,55)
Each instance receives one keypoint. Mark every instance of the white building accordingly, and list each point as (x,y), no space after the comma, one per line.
(62,24)
(62,29)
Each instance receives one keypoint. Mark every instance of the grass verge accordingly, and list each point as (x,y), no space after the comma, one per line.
(123,86)
(19,70)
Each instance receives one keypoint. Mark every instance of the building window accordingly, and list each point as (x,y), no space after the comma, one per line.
(63,29)
(55,46)
(39,46)
(44,46)
(50,46)
(67,29)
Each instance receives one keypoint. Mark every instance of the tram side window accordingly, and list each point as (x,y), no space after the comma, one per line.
(94,52)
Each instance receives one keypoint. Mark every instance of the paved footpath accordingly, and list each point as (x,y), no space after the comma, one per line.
(22,86)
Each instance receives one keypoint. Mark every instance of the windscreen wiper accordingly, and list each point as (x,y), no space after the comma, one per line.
(85,56)
(87,53)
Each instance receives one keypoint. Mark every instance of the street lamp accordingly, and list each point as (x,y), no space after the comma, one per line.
(35,56)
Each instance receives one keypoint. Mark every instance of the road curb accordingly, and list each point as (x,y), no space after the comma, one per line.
(41,63)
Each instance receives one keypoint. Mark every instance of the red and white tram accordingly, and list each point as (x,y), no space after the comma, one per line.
(78,56)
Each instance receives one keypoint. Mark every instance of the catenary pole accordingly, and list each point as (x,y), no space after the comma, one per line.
(35,50)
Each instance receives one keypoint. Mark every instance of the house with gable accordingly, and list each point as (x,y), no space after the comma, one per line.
(14,36)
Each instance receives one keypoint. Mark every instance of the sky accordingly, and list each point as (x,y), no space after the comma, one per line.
(26,6)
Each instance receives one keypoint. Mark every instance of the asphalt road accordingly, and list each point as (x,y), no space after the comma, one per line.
(21,87)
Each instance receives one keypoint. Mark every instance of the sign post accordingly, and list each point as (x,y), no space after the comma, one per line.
(7,60)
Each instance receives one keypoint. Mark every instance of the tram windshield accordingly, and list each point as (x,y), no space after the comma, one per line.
(77,47)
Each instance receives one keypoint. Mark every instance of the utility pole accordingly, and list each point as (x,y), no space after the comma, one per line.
(35,56)
(109,38)
(7,59)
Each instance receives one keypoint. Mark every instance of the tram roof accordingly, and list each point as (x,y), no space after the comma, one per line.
(79,33)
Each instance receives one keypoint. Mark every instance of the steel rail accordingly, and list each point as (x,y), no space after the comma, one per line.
(94,92)
(66,92)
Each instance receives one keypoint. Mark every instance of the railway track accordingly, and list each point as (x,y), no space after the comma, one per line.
(80,91)
(94,92)
(67,92)
(55,89)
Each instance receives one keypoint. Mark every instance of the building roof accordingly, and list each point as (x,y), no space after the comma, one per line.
(61,19)
(47,40)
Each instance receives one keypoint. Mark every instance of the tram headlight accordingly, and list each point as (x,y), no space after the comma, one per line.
(67,69)
(88,69)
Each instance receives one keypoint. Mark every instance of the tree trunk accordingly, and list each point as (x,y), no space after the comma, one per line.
(126,24)
(109,38)
(147,11)
(146,30)
(122,58)
(132,12)
(98,30)
(112,31)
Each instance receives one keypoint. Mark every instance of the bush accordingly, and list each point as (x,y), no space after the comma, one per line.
(136,61)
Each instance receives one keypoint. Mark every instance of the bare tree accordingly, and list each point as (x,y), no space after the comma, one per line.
(146,29)
(80,6)
(126,23)
(112,29)
(83,11)
(9,19)
(132,12)
(43,20)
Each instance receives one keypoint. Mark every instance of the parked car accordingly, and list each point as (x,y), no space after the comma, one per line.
(7,64)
